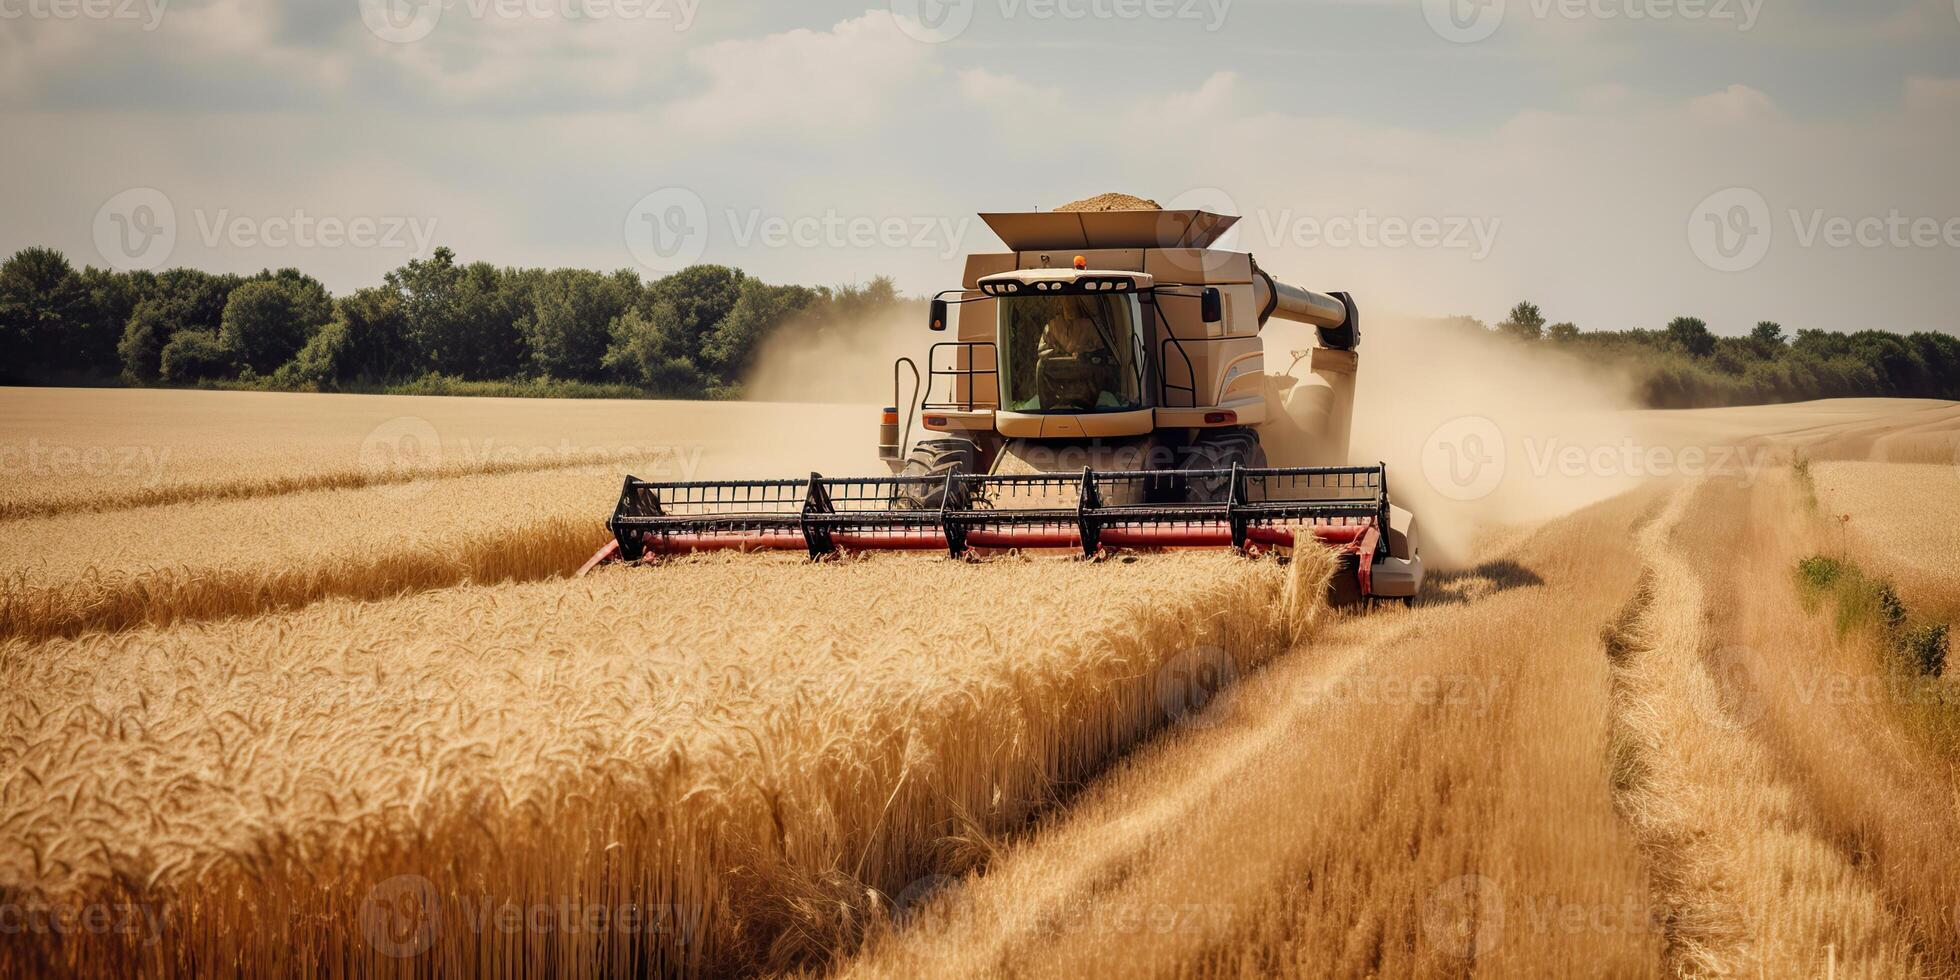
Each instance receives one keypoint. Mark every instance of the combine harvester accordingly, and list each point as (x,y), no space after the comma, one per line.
(1107,393)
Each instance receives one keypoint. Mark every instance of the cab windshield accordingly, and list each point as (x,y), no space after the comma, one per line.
(1070,353)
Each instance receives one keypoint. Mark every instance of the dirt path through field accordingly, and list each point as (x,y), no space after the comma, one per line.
(1621,747)
(1377,804)
(1732,847)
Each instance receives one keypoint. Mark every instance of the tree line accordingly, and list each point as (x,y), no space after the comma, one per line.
(433,325)
(1686,365)
(438,326)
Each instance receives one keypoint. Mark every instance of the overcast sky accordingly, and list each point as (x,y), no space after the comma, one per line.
(1619,161)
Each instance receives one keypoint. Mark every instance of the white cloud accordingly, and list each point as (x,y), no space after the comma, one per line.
(842,81)
(857,117)
(1733,105)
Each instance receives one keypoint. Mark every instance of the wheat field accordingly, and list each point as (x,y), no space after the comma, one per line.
(284,709)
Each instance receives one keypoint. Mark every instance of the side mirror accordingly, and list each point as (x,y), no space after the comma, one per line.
(939,314)
(1214,306)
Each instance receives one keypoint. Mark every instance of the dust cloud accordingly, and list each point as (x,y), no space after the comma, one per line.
(1478,430)
(840,363)
(814,394)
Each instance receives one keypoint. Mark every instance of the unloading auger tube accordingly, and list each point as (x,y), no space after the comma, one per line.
(1335,314)
(1345,508)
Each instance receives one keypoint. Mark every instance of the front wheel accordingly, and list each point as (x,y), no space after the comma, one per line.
(1220,449)
(935,459)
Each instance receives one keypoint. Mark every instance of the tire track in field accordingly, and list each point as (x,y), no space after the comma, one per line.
(277,486)
(1139,825)
(1703,924)
(1306,831)
(112,601)
(1731,847)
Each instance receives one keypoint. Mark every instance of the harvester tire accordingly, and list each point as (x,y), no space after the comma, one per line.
(936,458)
(1220,449)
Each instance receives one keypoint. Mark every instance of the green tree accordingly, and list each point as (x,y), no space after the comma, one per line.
(112,297)
(462,320)
(638,354)
(1691,336)
(179,299)
(365,341)
(196,355)
(1563,333)
(1768,333)
(43,311)
(1525,322)
(700,296)
(567,326)
(761,310)
(269,319)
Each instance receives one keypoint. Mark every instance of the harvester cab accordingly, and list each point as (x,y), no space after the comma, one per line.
(1105,390)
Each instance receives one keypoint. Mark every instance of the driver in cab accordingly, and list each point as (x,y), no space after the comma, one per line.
(1075,367)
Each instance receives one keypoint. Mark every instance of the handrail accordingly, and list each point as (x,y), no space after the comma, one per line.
(918,393)
(1190,370)
(969,374)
